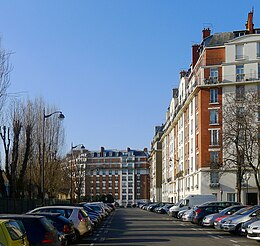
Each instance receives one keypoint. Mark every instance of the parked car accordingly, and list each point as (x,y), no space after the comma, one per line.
(98,208)
(253,231)
(80,219)
(11,233)
(62,224)
(218,223)
(247,224)
(188,202)
(210,219)
(39,230)
(188,215)
(164,208)
(234,222)
(203,210)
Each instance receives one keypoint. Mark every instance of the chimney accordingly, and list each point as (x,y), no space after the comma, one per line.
(195,54)
(183,73)
(102,151)
(128,149)
(249,23)
(205,33)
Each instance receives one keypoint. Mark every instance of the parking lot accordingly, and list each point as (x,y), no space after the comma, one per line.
(133,226)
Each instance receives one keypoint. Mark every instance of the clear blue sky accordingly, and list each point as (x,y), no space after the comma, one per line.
(109,65)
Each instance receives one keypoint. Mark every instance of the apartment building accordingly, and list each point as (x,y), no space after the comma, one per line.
(155,161)
(192,146)
(121,173)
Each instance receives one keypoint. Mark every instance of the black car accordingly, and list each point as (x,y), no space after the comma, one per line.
(39,230)
(203,210)
(62,224)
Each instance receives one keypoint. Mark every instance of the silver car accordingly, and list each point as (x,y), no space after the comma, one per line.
(253,230)
(80,219)
(233,223)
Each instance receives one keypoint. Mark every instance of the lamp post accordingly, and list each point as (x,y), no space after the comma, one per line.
(246,177)
(71,169)
(61,117)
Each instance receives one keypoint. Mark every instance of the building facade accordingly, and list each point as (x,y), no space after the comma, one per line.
(155,161)
(124,174)
(192,144)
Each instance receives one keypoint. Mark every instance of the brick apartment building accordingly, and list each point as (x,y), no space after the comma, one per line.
(192,147)
(121,173)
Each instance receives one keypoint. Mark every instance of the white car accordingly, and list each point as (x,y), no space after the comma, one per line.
(80,219)
(253,230)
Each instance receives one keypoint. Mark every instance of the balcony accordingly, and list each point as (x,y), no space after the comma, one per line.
(240,77)
(211,80)
(214,185)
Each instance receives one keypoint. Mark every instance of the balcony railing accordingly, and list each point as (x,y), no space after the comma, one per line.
(211,80)
(240,77)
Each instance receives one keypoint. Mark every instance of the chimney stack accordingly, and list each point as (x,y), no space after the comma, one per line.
(195,54)
(102,151)
(205,33)
(183,73)
(249,23)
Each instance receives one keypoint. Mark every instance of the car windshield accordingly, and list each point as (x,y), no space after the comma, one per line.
(243,211)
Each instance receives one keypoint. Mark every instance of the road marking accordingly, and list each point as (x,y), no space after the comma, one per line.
(215,237)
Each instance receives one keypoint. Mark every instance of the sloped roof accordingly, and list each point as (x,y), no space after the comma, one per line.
(218,39)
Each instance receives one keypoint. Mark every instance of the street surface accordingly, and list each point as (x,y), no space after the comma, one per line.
(133,226)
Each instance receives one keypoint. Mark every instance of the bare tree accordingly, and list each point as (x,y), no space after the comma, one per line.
(5,70)
(240,136)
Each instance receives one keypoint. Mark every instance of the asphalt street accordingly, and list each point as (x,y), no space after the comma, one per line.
(133,226)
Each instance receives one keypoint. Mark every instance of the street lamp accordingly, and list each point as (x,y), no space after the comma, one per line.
(71,169)
(246,177)
(61,117)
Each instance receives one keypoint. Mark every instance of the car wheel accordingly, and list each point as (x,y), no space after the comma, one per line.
(238,229)
(77,236)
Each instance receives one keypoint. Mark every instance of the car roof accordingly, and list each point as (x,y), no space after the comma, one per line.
(59,206)
(20,216)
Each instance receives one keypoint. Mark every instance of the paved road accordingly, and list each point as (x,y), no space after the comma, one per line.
(135,227)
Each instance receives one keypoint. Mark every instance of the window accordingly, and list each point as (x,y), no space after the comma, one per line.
(116,172)
(240,92)
(258,50)
(231,197)
(214,137)
(240,51)
(213,116)
(130,197)
(214,159)
(213,95)
(213,75)
(240,73)
(214,177)
(110,172)
(124,190)
(130,190)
